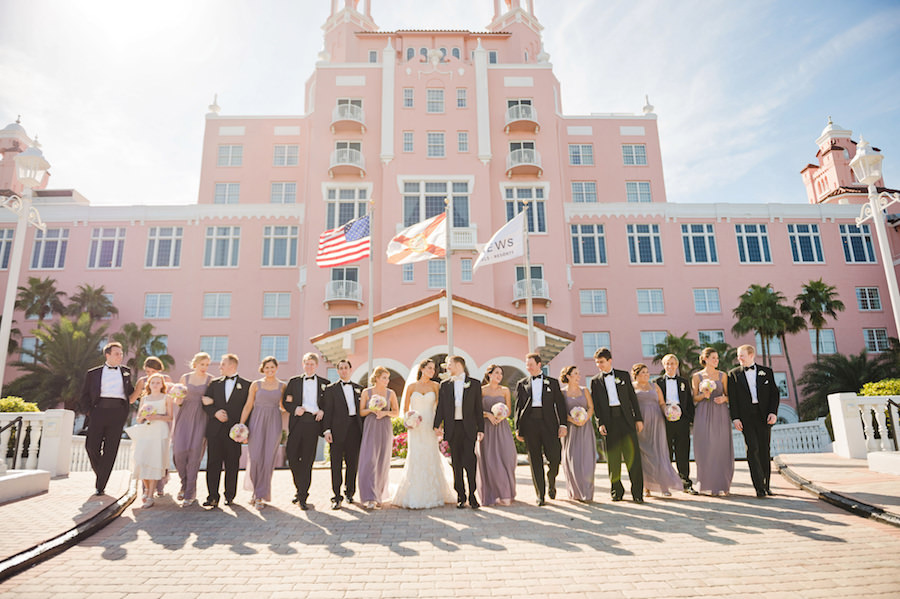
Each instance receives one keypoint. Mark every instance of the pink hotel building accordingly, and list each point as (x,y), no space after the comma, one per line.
(404,119)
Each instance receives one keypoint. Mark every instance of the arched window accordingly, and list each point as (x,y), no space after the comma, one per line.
(443,54)
(455,53)
(410,53)
(424,52)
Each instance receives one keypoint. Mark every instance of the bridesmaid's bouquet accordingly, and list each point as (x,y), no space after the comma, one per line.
(707,385)
(578,415)
(377,403)
(146,411)
(673,412)
(177,391)
(499,410)
(239,433)
(412,419)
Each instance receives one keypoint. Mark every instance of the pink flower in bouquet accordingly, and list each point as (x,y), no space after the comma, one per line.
(444,446)
(377,403)
(239,433)
(707,385)
(412,419)
(146,411)
(499,410)
(578,415)
(673,412)
(177,391)
(399,447)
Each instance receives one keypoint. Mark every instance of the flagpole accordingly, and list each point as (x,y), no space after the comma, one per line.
(371,358)
(529,304)
(449,224)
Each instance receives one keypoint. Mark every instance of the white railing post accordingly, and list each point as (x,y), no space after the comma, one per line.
(56,442)
(849,437)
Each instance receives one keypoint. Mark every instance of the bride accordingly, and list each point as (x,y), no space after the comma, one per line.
(425,479)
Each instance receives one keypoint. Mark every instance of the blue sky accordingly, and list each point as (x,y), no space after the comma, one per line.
(117,91)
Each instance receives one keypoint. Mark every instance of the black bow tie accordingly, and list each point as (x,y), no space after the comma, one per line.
(749,368)
(113,367)
(346,384)
(537,376)
(309,378)
(670,378)
(606,374)
(231,378)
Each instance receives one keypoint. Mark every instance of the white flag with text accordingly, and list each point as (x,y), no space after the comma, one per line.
(507,243)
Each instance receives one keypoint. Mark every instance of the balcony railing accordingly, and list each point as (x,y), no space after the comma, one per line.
(540,290)
(521,117)
(349,114)
(347,161)
(523,161)
(343,291)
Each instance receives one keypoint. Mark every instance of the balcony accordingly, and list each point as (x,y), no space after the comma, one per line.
(343,291)
(540,292)
(347,161)
(522,117)
(348,118)
(524,161)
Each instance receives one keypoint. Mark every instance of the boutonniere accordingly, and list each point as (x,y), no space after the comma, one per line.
(322,386)
(238,386)
(467,384)
(618,381)
(761,373)
(682,386)
(125,374)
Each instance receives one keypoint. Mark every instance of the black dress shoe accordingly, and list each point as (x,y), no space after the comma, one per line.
(349,498)
(473,503)
(460,504)
(100,492)
(552,492)
(541,502)
(296,499)
(303,504)
(690,490)
(211,503)
(639,500)
(229,501)
(760,494)
(616,498)
(769,492)
(335,504)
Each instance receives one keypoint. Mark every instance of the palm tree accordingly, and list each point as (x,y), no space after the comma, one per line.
(759,310)
(836,373)
(14,335)
(790,323)
(93,301)
(40,298)
(816,301)
(140,342)
(684,348)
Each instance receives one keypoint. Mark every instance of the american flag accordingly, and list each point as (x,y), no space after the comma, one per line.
(346,244)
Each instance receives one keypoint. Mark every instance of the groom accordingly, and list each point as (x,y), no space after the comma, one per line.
(459,409)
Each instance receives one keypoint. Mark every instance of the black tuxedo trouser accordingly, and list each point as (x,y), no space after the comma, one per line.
(346,452)
(222,452)
(678,435)
(301,451)
(103,436)
(462,456)
(756,436)
(622,443)
(541,442)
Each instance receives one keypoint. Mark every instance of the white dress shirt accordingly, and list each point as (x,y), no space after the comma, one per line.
(672,391)
(111,384)
(229,387)
(311,394)
(751,382)
(611,391)
(349,398)
(458,400)
(537,392)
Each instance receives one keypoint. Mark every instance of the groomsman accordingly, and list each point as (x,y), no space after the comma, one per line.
(104,396)
(677,391)
(753,399)
(619,418)
(343,429)
(223,402)
(541,421)
(304,397)
(459,410)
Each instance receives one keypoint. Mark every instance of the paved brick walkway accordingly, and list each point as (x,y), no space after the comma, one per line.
(791,545)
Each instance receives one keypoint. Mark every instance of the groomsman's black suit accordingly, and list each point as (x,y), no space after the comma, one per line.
(346,435)
(221,449)
(621,433)
(461,434)
(106,418)
(303,433)
(678,433)
(753,419)
(540,429)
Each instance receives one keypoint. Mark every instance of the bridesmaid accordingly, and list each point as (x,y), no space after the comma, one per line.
(495,474)
(264,401)
(151,451)
(579,446)
(377,440)
(713,447)
(189,431)
(659,475)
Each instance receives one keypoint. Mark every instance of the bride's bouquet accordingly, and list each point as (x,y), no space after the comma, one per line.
(239,433)
(412,419)
(499,410)
(707,385)
(145,412)
(578,415)
(673,412)
(377,403)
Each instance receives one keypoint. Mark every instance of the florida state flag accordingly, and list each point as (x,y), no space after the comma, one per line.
(422,241)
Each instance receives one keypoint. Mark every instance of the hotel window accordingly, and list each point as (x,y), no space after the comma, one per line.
(49,248)
(286,155)
(443,54)
(649,341)
(279,246)
(274,345)
(638,192)
(462,97)
(537,274)
(158,305)
(343,205)
(408,97)
(827,344)
(709,337)
(581,154)
(424,52)
(876,340)
(230,156)
(462,141)
(774,345)
(336,322)
(699,244)
(111,298)
(217,305)
(276,305)
(634,154)
(588,244)
(857,243)
(410,53)
(706,301)
(344,275)
(408,273)
(419,206)
(465,270)
(164,247)
(644,244)
(650,301)
(107,247)
(227,193)
(781,382)
(806,246)
(437,274)
(283,193)
(753,244)
(536,216)
(593,301)
(434,101)
(6,237)
(436,144)
(592,342)
(492,57)
(28,349)
(408,141)
(214,345)
(373,56)
(221,246)
(455,53)
(584,192)
(868,299)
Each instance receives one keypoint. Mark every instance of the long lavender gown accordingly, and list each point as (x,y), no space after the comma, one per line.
(579,452)
(264,437)
(658,472)
(495,475)
(713,447)
(375,457)
(189,437)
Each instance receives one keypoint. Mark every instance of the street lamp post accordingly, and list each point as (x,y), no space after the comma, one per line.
(30,169)
(866,166)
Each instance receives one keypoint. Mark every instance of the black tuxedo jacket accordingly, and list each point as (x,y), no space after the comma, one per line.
(234,406)
(551,397)
(294,389)
(473,415)
(630,409)
(337,418)
(90,391)
(685,397)
(740,402)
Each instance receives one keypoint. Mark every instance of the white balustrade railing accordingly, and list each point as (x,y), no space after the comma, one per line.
(80,462)
(523,156)
(349,156)
(801,437)
(348,112)
(540,289)
(521,112)
(343,290)
(48,435)
(851,420)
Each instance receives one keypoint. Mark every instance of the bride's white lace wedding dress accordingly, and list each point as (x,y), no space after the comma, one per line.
(426,475)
